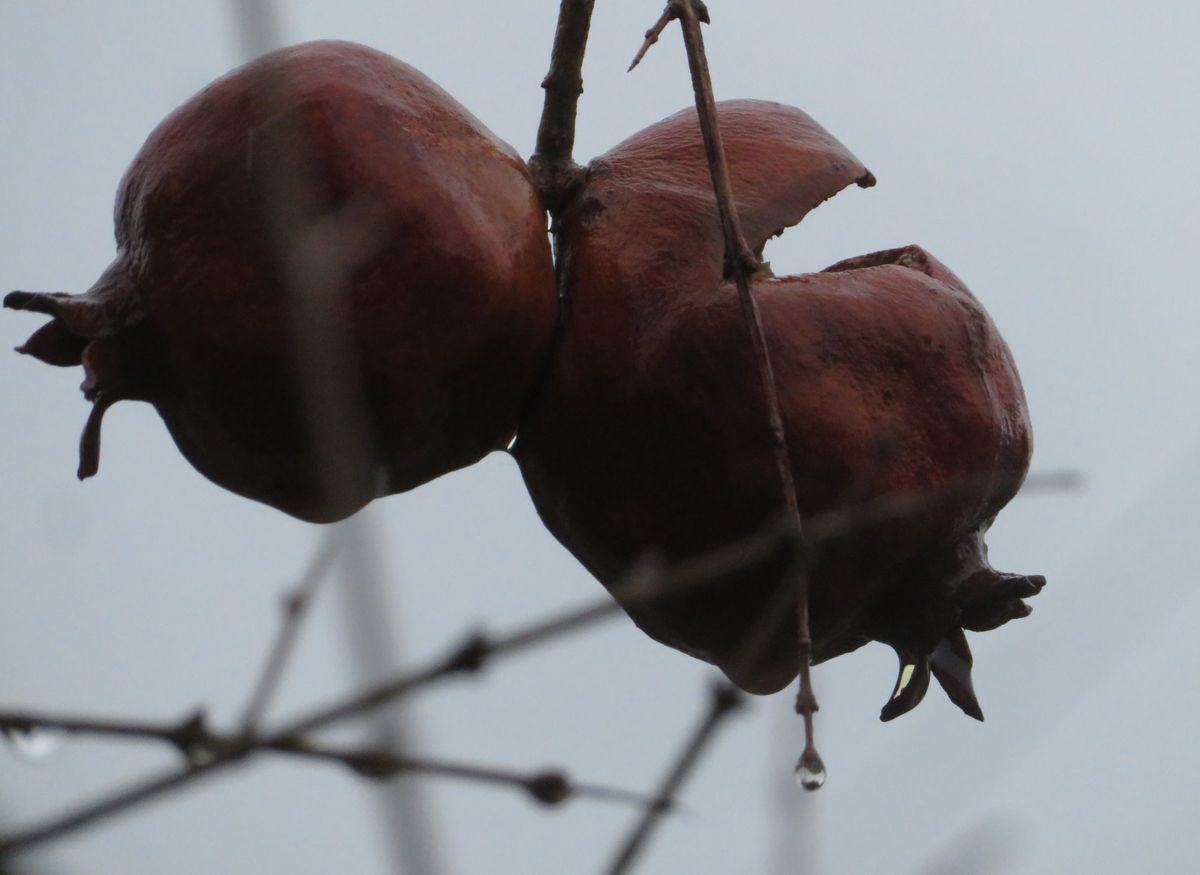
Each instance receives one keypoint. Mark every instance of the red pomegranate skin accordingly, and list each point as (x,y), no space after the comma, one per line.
(323,194)
(650,433)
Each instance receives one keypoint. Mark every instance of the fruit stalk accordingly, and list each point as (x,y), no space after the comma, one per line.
(742,264)
(553,169)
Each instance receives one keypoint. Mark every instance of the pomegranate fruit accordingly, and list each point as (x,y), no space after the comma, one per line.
(650,431)
(332,281)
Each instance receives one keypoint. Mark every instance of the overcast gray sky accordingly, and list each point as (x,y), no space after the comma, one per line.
(1044,151)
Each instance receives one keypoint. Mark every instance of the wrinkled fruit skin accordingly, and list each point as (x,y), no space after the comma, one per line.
(650,433)
(332,281)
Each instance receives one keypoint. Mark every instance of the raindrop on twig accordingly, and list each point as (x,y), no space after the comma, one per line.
(810,770)
(33,745)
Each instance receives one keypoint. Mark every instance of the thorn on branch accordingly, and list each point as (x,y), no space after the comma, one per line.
(653,34)
(671,13)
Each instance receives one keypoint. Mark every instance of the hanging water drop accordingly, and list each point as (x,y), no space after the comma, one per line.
(810,770)
(33,745)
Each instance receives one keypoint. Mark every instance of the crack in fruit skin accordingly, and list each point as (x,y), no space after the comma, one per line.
(321,233)
(650,432)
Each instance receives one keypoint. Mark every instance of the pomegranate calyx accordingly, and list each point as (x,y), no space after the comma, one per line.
(912,682)
(89,440)
(991,598)
(55,345)
(951,663)
(99,330)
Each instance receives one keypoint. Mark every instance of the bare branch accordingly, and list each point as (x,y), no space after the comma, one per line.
(114,803)
(208,752)
(647,582)
(652,36)
(555,173)
(725,699)
(295,608)
(742,264)
(30,721)
(548,787)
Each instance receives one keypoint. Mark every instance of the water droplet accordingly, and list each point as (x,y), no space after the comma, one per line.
(33,745)
(810,770)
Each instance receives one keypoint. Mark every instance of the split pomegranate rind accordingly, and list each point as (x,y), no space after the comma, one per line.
(332,281)
(650,433)
(648,206)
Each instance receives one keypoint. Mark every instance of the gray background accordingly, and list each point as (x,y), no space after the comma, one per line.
(1045,151)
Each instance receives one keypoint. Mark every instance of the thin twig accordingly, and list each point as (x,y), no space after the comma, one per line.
(406,816)
(115,803)
(646,583)
(209,753)
(742,264)
(31,721)
(194,739)
(555,173)
(725,699)
(295,608)
(547,787)
(652,36)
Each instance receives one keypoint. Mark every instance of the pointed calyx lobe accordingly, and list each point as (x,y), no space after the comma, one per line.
(650,431)
(332,281)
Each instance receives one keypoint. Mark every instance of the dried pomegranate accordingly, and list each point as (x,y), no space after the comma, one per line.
(650,432)
(332,281)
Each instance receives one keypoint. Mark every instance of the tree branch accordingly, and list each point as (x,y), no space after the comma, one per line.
(725,699)
(555,173)
(205,750)
(741,262)
(208,752)
(295,608)
(652,36)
